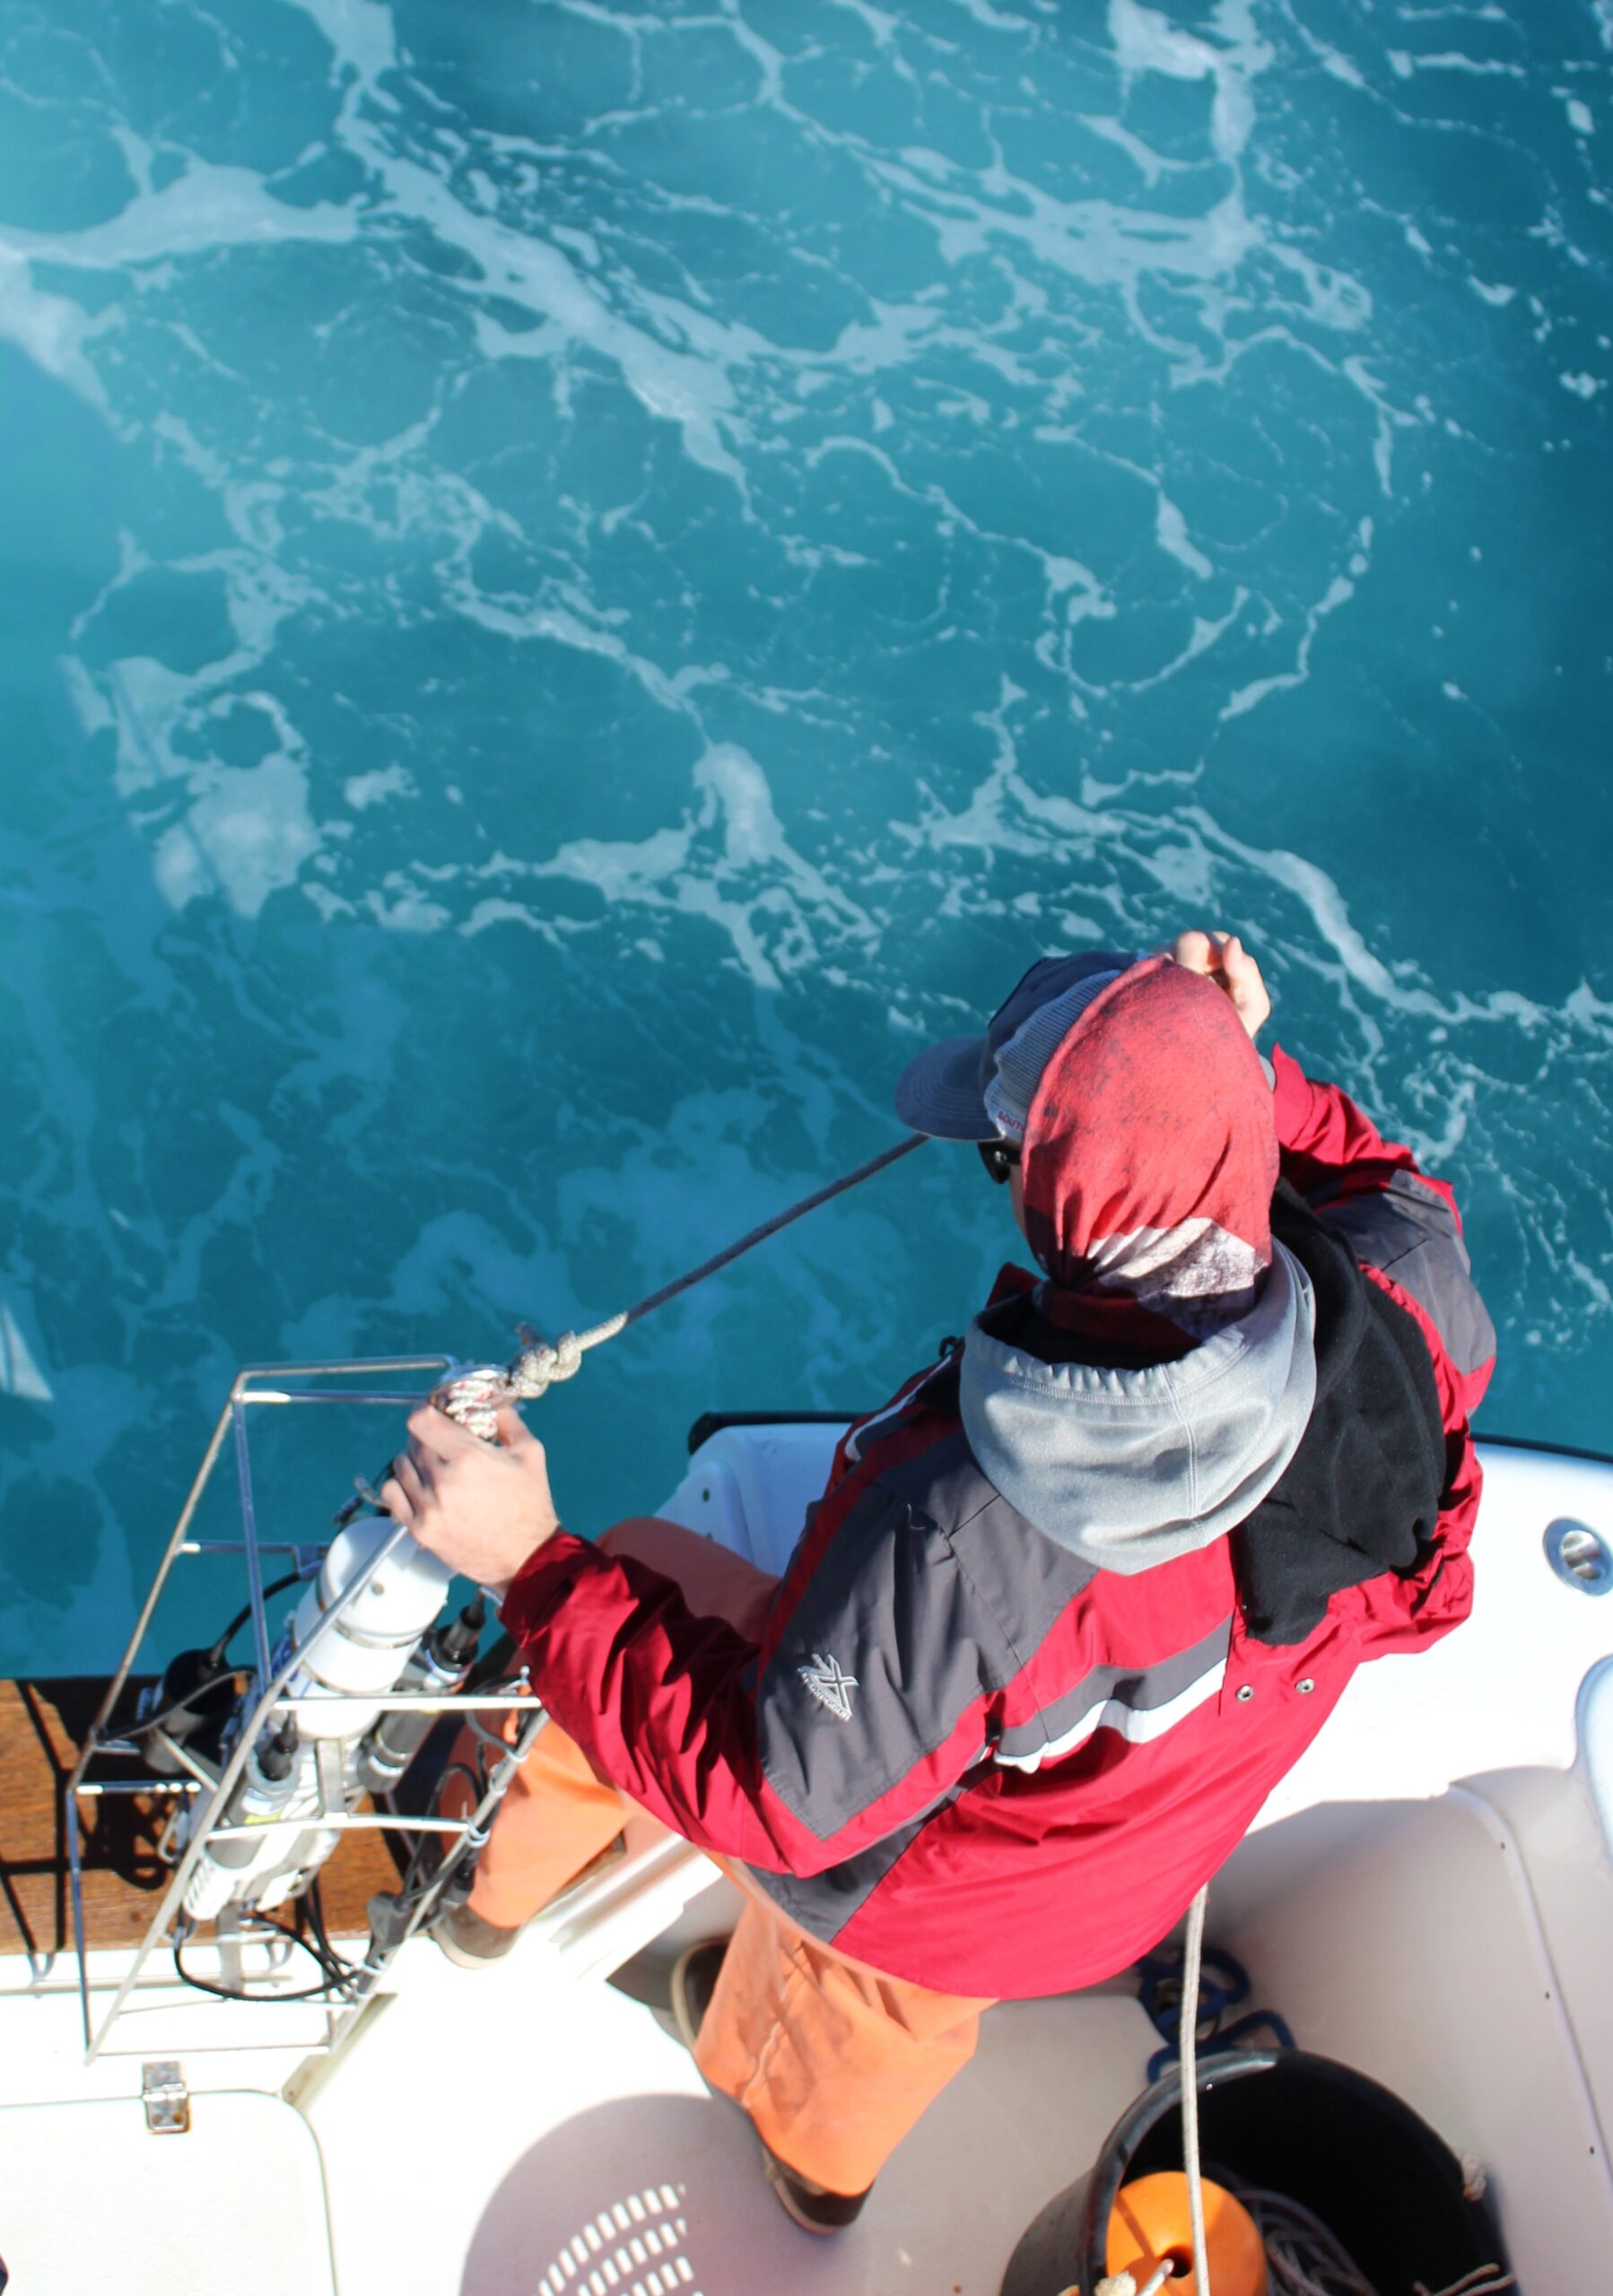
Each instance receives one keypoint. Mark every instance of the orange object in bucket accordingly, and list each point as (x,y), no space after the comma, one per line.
(1150,2222)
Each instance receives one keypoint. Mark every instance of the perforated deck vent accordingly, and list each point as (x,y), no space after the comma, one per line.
(635,2247)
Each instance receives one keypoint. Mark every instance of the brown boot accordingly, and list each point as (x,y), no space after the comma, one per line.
(471,1944)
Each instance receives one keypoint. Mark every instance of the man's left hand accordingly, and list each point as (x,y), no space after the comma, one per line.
(483,1508)
(1223,959)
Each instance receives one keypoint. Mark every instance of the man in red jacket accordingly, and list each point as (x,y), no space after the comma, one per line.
(1074,1601)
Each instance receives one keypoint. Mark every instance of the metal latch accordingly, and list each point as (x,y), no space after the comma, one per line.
(165,2097)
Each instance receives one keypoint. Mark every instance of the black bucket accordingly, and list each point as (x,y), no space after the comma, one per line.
(1349,2150)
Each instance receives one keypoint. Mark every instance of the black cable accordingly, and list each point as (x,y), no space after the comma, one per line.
(413,1885)
(339,1973)
(316,1921)
(276,1587)
(338,1980)
(139,1726)
(476,1782)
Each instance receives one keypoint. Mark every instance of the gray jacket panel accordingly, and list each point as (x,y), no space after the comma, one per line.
(1409,1232)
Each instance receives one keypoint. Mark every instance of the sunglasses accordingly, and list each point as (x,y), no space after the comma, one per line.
(999,1158)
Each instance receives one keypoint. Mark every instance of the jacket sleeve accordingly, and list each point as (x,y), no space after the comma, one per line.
(1406,1232)
(1401,1223)
(792,1755)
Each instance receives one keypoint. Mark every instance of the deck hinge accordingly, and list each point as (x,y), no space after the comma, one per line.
(165,2097)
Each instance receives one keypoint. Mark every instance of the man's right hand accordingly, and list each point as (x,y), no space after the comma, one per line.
(1221,957)
(483,1508)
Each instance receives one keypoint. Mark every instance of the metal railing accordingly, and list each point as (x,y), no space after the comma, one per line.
(460,1835)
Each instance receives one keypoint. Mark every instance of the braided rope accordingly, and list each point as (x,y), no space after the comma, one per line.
(1192,1966)
(539,1365)
(475,1393)
(476,1396)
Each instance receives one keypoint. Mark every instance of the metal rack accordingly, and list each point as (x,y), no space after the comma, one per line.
(462,1834)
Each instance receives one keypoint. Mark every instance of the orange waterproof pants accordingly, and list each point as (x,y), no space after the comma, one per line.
(832,2061)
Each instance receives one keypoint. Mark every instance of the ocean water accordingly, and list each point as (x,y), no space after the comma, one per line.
(579,578)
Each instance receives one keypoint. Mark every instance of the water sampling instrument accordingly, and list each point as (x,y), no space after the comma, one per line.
(266,1766)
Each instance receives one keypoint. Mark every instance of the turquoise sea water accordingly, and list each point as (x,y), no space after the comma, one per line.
(577,578)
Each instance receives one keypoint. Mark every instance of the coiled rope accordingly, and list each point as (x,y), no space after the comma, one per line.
(1303,2257)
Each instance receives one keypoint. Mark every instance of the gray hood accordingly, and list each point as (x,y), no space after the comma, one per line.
(1128,1469)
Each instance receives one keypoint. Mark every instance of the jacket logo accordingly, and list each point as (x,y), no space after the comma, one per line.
(829,1684)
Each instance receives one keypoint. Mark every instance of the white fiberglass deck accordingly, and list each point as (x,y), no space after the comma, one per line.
(1428,1898)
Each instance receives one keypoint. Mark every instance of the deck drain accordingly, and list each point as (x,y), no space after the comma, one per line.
(631,2248)
(1579,1555)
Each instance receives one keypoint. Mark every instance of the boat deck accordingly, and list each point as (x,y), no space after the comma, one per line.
(587,2159)
(43,1724)
(1427,1897)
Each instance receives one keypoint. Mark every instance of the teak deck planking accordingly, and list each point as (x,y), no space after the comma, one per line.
(42,1727)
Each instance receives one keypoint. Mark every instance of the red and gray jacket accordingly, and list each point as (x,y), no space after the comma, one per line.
(966,1751)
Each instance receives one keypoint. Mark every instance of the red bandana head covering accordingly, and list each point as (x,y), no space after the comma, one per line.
(1148,1163)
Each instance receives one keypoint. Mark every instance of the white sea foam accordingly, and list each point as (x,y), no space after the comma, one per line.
(208,207)
(1121,446)
(362,790)
(1340,591)
(246,834)
(1145,40)
(727,863)
(1332,60)
(363,41)
(1450,60)
(52,329)
(1204,633)
(1398,990)
(698,384)
(1171,529)
(20,1372)
(688,387)
(399,906)
(1150,164)
(619,870)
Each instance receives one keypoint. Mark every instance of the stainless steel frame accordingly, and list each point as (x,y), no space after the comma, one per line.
(467,1833)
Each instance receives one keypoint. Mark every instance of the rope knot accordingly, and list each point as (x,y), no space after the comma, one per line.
(540,1363)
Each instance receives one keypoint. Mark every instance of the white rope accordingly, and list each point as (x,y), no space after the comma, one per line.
(1188,2051)
(1123,2284)
(475,1397)
(540,1364)
(1303,2257)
